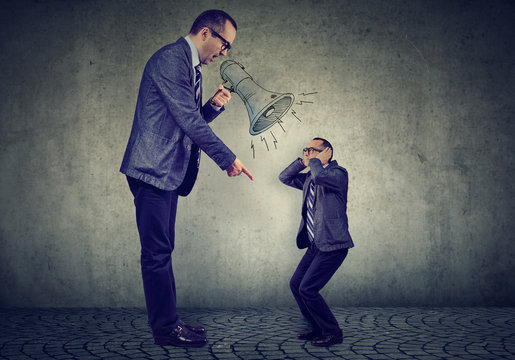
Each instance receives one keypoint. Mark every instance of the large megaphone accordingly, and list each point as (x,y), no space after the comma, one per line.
(265,107)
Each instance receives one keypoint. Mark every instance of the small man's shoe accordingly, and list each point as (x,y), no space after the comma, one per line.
(195,328)
(328,340)
(181,336)
(309,335)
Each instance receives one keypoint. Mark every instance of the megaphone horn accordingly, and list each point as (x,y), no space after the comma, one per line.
(265,107)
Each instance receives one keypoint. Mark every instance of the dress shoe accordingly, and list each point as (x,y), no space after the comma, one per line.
(195,328)
(309,335)
(181,336)
(328,340)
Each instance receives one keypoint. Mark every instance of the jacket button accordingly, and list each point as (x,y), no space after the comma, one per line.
(188,147)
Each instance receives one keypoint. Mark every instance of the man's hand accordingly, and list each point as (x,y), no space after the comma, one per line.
(237,168)
(325,155)
(305,161)
(221,97)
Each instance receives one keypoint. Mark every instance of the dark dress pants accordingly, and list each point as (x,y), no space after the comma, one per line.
(313,272)
(155,217)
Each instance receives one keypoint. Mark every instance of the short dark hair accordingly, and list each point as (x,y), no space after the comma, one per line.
(214,19)
(325,144)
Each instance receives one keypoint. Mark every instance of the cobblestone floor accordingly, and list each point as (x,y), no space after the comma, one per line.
(369,333)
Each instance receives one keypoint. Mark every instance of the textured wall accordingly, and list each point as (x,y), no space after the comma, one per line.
(416,96)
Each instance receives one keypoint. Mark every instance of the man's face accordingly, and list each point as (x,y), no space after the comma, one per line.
(312,147)
(212,45)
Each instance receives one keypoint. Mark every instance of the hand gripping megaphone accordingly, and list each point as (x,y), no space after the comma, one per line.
(265,107)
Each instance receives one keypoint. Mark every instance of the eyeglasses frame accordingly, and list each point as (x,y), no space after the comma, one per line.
(226,45)
(309,150)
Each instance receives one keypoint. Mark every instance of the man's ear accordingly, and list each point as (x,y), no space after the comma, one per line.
(204,33)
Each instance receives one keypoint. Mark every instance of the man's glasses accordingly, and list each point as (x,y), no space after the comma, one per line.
(311,149)
(226,45)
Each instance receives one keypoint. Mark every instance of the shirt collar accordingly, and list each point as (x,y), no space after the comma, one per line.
(194,52)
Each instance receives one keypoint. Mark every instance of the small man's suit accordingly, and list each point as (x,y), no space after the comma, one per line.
(331,238)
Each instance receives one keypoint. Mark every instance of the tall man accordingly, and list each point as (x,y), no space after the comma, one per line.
(161,160)
(324,231)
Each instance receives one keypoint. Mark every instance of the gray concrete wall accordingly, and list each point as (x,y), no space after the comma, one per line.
(417,98)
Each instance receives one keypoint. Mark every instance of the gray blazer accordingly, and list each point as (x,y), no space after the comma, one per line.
(330,223)
(167,122)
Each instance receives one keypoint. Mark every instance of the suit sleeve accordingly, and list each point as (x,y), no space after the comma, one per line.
(171,75)
(291,176)
(331,178)
(209,112)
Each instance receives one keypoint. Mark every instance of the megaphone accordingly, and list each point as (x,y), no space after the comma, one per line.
(265,107)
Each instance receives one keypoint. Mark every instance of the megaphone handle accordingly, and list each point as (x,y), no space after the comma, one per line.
(231,88)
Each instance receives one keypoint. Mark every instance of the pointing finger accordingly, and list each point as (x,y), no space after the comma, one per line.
(244,169)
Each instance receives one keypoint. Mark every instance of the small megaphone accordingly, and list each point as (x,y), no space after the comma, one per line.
(265,107)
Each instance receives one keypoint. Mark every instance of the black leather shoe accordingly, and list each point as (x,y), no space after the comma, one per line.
(195,328)
(181,336)
(309,335)
(328,340)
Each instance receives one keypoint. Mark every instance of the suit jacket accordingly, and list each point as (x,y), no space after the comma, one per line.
(167,122)
(331,227)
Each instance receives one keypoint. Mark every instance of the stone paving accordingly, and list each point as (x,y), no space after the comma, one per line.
(261,333)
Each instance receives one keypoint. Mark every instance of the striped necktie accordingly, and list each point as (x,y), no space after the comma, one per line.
(311,211)
(198,87)
(193,164)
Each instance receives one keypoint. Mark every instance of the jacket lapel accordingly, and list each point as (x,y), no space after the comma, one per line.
(306,188)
